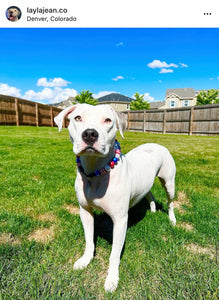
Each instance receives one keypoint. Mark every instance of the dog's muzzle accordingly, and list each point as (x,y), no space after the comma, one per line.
(90,136)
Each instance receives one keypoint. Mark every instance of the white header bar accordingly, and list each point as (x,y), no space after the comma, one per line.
(110,13)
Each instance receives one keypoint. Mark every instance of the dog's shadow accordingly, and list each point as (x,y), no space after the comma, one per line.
(103,225)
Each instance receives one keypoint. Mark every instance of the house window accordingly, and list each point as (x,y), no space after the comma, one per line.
(186,103)
(172,103)
(128,106)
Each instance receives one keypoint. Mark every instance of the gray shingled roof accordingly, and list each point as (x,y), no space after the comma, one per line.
(115,97)
(156,104)
(64,103)
(182,93)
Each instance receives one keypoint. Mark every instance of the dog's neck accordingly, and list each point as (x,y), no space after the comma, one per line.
(91,163)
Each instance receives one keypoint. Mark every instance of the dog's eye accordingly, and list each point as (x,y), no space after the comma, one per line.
(78,119)
(108,120)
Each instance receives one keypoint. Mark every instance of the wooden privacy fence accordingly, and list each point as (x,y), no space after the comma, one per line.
(200,120)
(15,111)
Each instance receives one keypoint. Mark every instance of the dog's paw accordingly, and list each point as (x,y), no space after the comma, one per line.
(172,219)
(153,206)
(81,263)
(111,283)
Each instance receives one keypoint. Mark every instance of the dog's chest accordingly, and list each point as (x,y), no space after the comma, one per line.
(95,189)
(93,192)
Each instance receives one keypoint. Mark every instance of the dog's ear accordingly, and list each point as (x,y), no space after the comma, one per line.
(60,117)
(121,122)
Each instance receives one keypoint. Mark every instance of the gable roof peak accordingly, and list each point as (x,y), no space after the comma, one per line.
(181,92)
(114,97)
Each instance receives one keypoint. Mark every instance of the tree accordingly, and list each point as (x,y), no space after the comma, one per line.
(207,97)
(86,97)
(139,103)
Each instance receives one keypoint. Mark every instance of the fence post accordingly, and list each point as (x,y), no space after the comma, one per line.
(51,116)
(144,120)
(191,120)
(164,121)
(37,114)
(17,112)
(128,120)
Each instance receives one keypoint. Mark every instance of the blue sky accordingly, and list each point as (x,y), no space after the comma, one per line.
(50,64)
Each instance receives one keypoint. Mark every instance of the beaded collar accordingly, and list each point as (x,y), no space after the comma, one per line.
(105,169)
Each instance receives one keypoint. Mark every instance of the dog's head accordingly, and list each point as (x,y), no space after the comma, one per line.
(92,129)
(13,13)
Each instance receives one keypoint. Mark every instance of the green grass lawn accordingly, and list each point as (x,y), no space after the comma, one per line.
(41,234)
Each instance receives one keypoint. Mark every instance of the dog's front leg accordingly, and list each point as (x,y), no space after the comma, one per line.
(87,219)
(119,233)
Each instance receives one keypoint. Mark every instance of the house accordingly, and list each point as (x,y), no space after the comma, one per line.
(65,103)
(157,105)
(117,101)
(180,97)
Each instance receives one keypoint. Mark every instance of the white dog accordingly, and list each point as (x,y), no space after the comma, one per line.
(110,181)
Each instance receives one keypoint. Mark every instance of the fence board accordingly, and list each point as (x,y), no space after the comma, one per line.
(155,116)
(154,127)
(27,113)
(136,126)
(7,112)
(44,115)
(177,127)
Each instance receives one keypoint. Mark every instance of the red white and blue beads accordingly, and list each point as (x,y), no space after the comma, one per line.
(105,169)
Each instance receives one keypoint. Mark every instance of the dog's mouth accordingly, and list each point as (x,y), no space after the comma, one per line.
(90,150)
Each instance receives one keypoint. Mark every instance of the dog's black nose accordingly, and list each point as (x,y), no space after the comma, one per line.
(90,136)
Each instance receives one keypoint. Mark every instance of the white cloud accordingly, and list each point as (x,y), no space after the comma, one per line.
(159,64)
(55,82)
(148,98)
(163,71)
(183,65)
(63,94)
(5,89)
(218,77)
(164,66)
(102,93)
(53,91)
(118,78)
(45,94)
(120,44)
(49,95)
(173,65)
